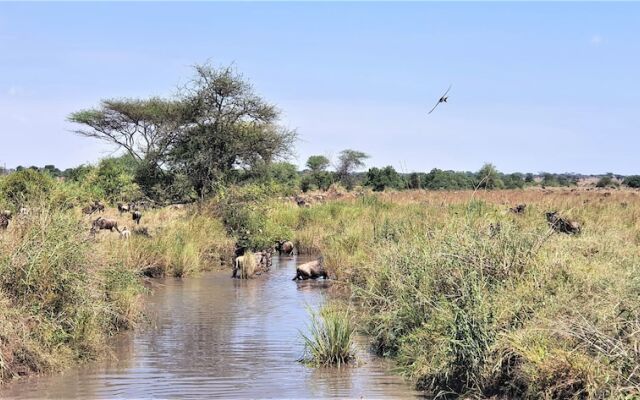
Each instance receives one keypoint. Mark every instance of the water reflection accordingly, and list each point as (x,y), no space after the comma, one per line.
(212,336)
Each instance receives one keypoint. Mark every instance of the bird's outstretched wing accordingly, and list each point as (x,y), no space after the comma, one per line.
(440,100)
(434,107)
(445,93)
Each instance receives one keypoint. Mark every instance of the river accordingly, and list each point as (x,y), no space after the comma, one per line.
(213,336)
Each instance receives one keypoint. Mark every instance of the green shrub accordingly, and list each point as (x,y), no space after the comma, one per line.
(22,187)
(633,181)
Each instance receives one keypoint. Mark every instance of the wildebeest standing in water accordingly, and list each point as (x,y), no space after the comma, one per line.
(563,225)
(136,216)
(250,264)
(284,247)
(104,223)
(311,270)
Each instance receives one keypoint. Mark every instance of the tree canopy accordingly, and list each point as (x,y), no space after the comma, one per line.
(214,125)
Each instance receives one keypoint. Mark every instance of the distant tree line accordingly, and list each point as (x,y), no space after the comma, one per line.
(216,132)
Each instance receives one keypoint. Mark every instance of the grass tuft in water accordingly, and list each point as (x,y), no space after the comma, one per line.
(330,338)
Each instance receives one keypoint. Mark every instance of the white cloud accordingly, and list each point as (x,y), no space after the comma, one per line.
(597,40)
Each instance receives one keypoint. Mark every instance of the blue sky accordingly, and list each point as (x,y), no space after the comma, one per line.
(536,86)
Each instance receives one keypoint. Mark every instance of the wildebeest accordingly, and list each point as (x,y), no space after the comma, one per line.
(563,225)
(104,223)
(122,208)
(518,209)
(284,247)
(98,205)
(311,270)
(301,201)
(250,264)
(246,265)
(136,216)
(125,233)
(5,217)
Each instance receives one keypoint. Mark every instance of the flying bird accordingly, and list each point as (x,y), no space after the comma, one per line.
(443,99)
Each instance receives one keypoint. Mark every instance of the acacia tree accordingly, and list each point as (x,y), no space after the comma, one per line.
(228,127)
(146,129)
(214,125)
(349,162)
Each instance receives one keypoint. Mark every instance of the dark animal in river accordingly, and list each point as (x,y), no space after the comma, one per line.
(311,270)
(443,99)
(103,224)
(563,225)
(518,209)
(136,216)
(284,247)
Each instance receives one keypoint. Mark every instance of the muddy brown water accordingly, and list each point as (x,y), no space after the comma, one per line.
(213,336)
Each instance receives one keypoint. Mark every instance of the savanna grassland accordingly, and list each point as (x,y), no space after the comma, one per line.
(519,312)
(463,307)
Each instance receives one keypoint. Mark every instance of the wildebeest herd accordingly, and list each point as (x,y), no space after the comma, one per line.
(247,264)
(110,224)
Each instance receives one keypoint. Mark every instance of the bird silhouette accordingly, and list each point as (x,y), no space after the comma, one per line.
(443,99)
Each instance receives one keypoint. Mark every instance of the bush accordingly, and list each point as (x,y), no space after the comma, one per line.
(25,186)
(380,179)
(632,181)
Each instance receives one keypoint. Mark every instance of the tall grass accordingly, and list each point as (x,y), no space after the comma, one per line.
(63,292)
(466,310)
(58,302)
(330,338)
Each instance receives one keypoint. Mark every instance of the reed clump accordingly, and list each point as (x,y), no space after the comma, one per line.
(329,341)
